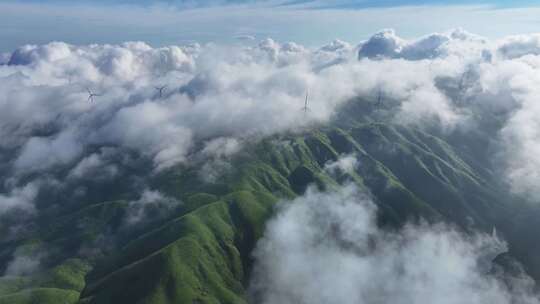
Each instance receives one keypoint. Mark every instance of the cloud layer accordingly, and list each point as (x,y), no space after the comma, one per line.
(327,248)
(214,97)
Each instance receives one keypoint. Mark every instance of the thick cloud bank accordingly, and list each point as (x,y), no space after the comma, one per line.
(71,114)
(327,248)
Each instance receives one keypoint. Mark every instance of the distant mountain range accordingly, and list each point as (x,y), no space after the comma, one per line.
(196,246)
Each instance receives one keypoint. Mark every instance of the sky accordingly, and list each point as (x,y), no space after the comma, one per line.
(312,23)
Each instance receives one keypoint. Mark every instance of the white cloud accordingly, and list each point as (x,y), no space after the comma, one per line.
(149,128)
(222,95)
(42,152)
(19,199)
(93,166)
(386,44)
(344,164)
(216,157)
(138,209)
(26,260)
(4,58)
(520,45)
(221,147)
(327,248)
(382,44)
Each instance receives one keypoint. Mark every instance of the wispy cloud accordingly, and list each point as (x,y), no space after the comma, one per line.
(166,23)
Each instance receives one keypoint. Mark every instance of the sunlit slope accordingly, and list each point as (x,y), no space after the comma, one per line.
(62,284)
(203,256)
(201,251)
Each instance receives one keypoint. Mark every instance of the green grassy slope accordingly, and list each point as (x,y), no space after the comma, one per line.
(203,255)
(200,252)
(61,284)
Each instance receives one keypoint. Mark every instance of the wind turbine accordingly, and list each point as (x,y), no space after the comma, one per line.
(160,90)
(461,84)
(379,96)
(305,108)
(91,95)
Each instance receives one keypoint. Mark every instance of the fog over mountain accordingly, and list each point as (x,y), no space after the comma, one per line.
(232,93)
(326,247)
(78,123)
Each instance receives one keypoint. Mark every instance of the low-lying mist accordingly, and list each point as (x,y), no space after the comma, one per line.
(92,123)
(327,248)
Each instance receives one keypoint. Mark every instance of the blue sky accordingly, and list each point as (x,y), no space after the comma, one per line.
(312,23)
(358,4)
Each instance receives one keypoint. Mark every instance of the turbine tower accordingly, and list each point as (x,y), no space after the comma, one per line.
(379,96)
(305,108)
(91,95)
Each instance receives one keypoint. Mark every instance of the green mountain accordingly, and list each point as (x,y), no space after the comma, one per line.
(200,250)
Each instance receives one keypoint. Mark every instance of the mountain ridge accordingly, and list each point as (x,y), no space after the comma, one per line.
(201,252)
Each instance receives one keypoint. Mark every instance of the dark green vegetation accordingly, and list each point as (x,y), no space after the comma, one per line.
(199,252)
